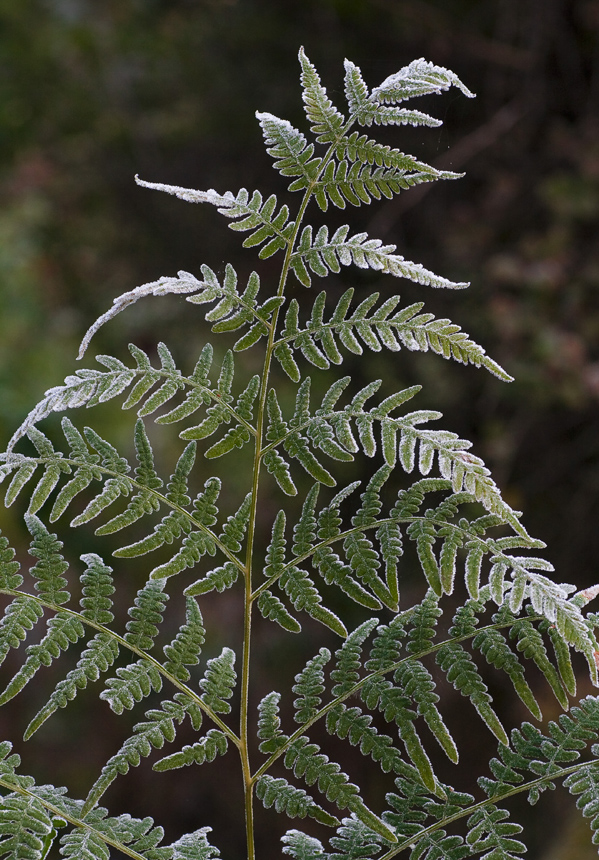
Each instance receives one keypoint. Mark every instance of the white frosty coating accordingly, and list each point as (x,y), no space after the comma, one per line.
(189,194)
(422,69)
(184,283)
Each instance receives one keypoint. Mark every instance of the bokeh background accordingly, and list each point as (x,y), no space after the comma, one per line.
(93,93)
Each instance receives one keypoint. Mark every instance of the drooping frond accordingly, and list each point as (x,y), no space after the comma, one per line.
(462,672)
(255,214)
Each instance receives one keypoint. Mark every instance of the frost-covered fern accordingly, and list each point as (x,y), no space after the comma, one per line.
(428,507)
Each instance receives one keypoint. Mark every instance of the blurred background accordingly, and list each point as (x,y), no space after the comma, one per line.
(93,93)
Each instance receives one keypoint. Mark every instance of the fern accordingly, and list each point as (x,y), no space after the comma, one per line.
(418,571)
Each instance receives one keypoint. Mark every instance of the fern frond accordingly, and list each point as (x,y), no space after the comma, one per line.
(186,647)
(529,642)
(269,724)
(489,831)
(462,672)
(306,761)
(358,183)
(218,682)
(326,121)
(585,783)
(256,214)
(49,570)
(97,658)
(272,608)
(97,586)
(417,682)
(348,658)
(294,802)
(132,683)
(175,522)
(214,743)
(153,733)
(62,631)
(309,687)
(356,726)
(199,542)
(144,501)
(195,846)
(419,78)
(289,148)
(497,652)
(20,616)
(301,846)
(217,579)
(26,827)
(236,309)
(146,615)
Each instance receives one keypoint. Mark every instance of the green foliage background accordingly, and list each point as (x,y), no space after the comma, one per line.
(92,93)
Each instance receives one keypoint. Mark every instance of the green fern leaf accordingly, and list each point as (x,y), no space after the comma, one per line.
(530,643)
(352,724)
(309,687)
(289,147)
(585,784)
(218,682)
(269,724)
(419,78)
(132,683)
(9,568)
(301,846)
(213,744)
(489,831)
(195,846)
(175,522)
(461,671)
(346,673)
(48,571)
(97,658)
(146,615)
(294,802)
(63,630)
(327,122)
(218,579)
(158,729)
(26,826)
(97,586)
(497,652)
(272,608)
(145,501)
(186,647)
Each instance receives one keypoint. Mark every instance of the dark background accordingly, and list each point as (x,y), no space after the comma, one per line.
(93,93)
